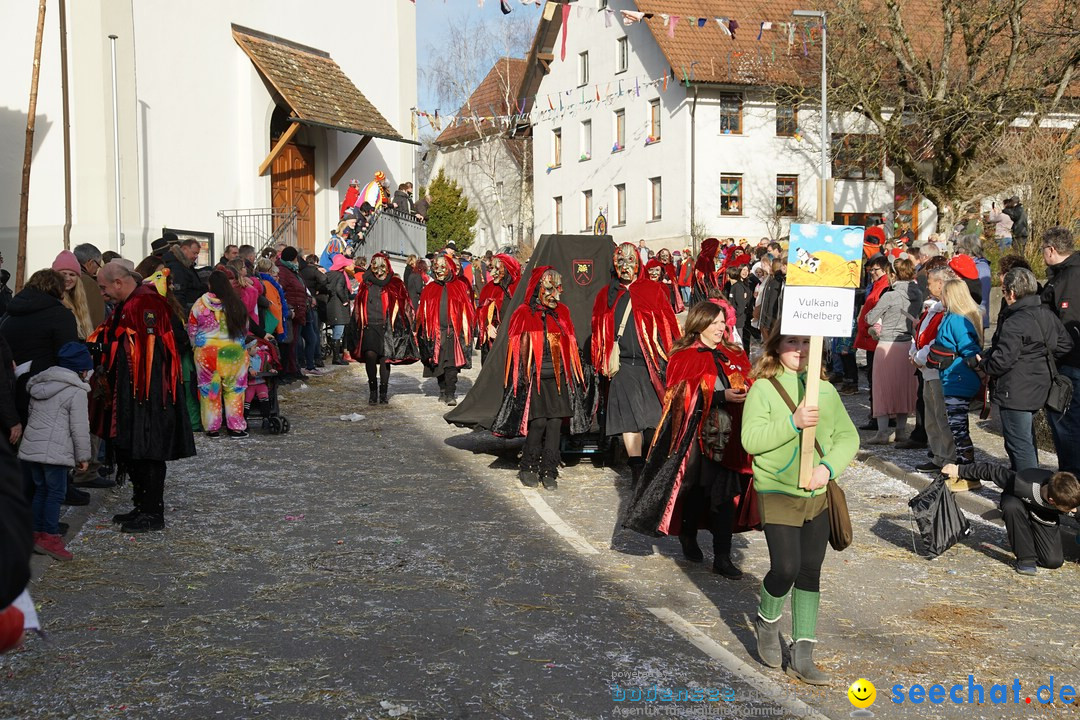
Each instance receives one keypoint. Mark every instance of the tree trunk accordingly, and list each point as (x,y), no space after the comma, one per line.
(28,154)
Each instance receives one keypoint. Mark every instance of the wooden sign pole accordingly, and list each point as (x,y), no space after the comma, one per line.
(813,381)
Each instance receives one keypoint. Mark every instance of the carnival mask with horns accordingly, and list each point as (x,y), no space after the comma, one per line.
(627,262)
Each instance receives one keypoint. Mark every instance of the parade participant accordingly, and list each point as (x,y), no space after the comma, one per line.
(505,273)
(686,276)
(741,298)
(795,520)
(694,471)
(705,270)
(350,197)
(670,279)
(544,381)
(633,329)
(142,412)
(383,315)
(445,320)
(217,326)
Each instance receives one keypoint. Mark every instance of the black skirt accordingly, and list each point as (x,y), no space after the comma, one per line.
(549,402)
(632,404)
(373,340)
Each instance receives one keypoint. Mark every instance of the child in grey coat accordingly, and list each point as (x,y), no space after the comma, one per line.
(56,438)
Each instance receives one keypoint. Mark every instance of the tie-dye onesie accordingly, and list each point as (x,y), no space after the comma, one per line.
(221,365)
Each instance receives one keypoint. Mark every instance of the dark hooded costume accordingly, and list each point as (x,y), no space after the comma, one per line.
(490,305)
(543,382)
(705,273)
(383,317)
(445,321)
(138,405)
(669,279)
(679,479)
(636,390)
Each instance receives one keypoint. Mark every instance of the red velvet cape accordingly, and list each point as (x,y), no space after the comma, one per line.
(657,328)
(397,309)
(459,312)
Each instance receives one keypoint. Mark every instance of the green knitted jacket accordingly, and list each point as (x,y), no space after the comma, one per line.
(769,434)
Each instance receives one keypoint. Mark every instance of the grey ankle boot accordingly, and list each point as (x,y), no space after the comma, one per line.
(768,641)
(802,665)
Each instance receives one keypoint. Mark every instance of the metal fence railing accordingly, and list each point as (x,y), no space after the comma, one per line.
(396,233)
(259,227)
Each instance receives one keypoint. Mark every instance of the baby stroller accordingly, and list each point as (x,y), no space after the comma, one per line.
(261,400)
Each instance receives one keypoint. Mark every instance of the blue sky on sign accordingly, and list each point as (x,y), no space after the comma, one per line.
(432,17)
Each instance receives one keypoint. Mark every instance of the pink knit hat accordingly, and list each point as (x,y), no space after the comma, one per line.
(66,260)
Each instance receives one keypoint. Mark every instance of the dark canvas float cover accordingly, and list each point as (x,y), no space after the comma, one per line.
(585,264)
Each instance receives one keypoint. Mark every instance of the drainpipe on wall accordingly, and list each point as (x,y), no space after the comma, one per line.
(66,123)
(693,169)
(116,147)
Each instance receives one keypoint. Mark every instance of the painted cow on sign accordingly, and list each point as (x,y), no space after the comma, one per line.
(807,262)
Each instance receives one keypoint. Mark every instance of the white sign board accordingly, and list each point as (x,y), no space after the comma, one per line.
(823,311)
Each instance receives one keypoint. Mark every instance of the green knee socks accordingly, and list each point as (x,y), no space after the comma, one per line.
(804,614)
(771,608)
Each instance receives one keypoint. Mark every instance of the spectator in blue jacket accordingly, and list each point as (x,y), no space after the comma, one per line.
(961,335)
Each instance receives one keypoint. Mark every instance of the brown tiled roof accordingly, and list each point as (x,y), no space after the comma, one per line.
(709,55)
(498,94)
(313,85)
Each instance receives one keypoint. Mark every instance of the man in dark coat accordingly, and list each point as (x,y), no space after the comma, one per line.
(1062,294)
(1028,338)
(1016,212)
(297,297)
(186,284)
(141,408)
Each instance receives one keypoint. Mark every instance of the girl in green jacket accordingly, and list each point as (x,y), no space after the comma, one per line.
(794,519)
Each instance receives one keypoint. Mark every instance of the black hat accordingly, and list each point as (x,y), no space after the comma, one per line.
(289,254)
(160,244)
(366,208)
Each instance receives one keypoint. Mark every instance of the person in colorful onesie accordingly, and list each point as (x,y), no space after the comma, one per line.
(217,326)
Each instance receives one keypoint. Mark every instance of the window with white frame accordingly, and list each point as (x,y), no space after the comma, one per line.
(654,198)
(622,54)
(586,140)
(787,195)
(583,69)
(557,212)
(731,114)
(619,131)
(556,147)
(586,210)
(654,121)
(731,195)
(620,204)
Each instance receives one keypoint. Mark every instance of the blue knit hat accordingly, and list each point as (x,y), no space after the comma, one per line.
(74,356)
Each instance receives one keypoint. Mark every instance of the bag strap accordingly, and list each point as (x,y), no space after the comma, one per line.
(791,406)
(625,317)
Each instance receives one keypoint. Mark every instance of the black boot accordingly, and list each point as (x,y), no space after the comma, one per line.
(637,464)
(529,468)
(136,501)
(339,353)
(549,470)
(690,548)
(373,392)
(384,393)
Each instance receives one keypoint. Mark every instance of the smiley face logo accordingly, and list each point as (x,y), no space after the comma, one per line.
(862,693)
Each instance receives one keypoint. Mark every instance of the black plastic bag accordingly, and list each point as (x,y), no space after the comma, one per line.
(941,522)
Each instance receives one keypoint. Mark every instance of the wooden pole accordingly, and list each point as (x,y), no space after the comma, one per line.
(813,365)
(28,154)
(66,124)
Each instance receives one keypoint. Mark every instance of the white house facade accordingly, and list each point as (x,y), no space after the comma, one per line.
(203,94)
(663,150)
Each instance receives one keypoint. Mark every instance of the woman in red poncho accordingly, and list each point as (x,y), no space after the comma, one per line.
(544,381)
(383,314)
(445,320)
(694,476)
(505,273)
(705,278)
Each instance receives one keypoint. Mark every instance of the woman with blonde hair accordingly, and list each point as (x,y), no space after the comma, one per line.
(959,342)
(74,298)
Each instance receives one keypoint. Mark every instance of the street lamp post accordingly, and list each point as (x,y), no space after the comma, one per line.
(823,207)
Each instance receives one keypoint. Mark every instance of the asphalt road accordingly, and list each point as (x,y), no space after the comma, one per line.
(394,567)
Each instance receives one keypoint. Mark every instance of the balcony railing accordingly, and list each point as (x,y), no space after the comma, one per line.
(259,227)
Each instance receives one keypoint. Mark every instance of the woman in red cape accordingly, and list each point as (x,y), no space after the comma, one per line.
(682,489)
(383,314)
(445,320)
(544,381)
(505,274)
(670,279)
